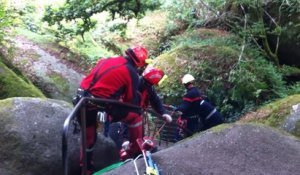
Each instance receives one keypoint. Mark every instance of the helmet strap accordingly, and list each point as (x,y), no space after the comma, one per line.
(129,59)
(132,55)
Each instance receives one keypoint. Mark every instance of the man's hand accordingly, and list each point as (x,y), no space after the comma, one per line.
(178,113)
(167,118)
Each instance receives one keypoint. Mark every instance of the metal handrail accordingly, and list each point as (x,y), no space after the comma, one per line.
(81,105)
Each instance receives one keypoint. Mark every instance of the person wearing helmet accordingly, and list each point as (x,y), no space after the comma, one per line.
(113,78)
(196,110)
(150,78)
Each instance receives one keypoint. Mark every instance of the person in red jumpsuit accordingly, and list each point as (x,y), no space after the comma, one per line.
(150,77)
(114,78)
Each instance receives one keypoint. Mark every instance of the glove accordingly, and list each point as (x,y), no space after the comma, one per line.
(167,118)
(182,123)
(179,112)
(126,145)
(172,107)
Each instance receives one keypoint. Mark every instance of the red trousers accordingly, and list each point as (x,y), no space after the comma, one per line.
(135,128)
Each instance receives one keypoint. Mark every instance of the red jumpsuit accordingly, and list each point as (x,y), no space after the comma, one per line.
(113,78)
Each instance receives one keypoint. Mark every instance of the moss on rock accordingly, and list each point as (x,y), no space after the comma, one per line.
(13,86)
(275,114)
(60,82)
(221,128)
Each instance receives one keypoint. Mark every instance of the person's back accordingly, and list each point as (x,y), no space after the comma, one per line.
(193,97)
(117,77)
(114,78)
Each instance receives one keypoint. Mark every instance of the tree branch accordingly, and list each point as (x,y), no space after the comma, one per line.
(244,40)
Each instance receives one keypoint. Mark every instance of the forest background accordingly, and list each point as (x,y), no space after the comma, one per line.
(240,51)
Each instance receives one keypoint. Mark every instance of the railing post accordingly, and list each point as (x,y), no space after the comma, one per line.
(83,137)
(65,146)
(81,105)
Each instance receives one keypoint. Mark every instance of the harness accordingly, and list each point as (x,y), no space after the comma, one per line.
(86,92)
(97,77)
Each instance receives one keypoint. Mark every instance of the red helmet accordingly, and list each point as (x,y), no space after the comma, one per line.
(138,55)
(153,75)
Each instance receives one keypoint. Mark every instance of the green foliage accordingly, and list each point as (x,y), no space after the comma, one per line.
(90,50)
(294,89)
(253,20)
(28,16)
(81,11)
(259,82)
(234,85)
(274,114)
(171,89)
(5,21)
(192,12)
(267,21)
(289,70)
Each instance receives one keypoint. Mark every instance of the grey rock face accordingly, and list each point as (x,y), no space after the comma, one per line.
(239,149)
(291,120)
(31,138)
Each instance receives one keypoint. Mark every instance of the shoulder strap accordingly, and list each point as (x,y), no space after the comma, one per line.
(94,80)
(97,78)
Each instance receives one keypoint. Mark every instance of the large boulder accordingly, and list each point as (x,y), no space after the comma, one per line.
(283,114)
(31,138)
(292,122)
(57,78)
(237,149)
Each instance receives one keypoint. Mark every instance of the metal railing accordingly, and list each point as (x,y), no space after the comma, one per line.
(81,107)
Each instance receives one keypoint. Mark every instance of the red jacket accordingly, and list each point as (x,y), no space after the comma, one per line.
(116,79)
(149,95)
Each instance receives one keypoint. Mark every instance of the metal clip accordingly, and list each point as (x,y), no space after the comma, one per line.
(102,117)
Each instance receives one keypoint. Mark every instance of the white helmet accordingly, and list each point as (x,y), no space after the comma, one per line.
(187,78)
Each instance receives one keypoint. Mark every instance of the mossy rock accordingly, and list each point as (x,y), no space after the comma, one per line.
(45,68)
(14,86)
(276,114)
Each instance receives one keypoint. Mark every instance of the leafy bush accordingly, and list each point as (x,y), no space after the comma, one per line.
(234,85)
(192,13)
(27,15)
(80,12)
(294,89)
(254,82)
(5,21)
